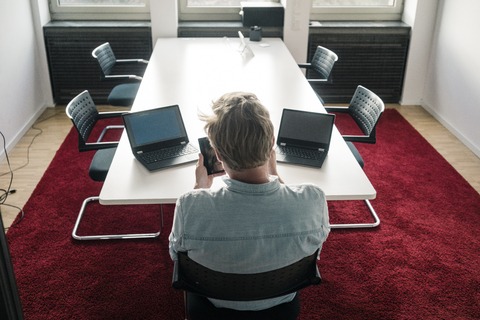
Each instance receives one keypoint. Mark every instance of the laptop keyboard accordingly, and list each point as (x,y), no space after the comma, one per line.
(157,155)
(300,152)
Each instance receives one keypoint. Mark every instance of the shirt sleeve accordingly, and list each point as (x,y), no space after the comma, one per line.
(326,217)
(176,235)
(325,223)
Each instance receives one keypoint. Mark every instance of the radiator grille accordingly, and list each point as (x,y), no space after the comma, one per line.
(374,58)
(72,67)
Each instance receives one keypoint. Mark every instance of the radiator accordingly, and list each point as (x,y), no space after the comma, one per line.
(69,48)
(369,54)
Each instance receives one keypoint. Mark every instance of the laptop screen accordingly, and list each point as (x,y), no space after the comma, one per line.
(309,129)
(154,126)
(244,45)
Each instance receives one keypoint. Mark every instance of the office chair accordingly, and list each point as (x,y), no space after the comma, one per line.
(84,115)
(322,63)
(366,109)
(123,94)
(194,278)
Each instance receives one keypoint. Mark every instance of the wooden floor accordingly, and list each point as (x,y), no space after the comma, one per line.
(52,127)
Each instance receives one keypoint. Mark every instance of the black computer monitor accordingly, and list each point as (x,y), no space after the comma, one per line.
(10,306)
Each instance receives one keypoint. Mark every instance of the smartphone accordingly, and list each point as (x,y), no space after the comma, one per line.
(210,160)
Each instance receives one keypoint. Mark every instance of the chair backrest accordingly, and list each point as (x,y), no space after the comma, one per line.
(192,277)
(84,115)
(105,57)
(323,61)
(366,108)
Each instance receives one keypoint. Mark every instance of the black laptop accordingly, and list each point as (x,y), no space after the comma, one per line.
(158,138)
(304,137)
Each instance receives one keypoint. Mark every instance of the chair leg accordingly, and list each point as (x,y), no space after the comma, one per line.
(185,312)
(112,237)
(360,225)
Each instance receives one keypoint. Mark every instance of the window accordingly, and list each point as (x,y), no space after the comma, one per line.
(100,9)
(325,10)
(352,3)
(220,3)
(322,10)
(212,9)
(114,3)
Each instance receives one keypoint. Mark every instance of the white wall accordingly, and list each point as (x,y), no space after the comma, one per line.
(164,19)
(295,29)
(452,91)
(421,16)
(22,73)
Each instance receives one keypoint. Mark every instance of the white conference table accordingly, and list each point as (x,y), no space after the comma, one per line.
(192,72)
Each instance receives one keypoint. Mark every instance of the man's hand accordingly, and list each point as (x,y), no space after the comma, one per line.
(202,179)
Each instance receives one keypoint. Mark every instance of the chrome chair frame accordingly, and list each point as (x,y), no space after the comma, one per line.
(366,109)
(84,115)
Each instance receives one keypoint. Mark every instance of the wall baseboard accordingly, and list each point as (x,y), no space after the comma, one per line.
(13,142)
(475,149)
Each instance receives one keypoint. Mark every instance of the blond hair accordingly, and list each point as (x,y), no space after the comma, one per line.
(240,130)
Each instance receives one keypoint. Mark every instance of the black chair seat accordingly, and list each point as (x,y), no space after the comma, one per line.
(101,164)
(123,95)
(356,154)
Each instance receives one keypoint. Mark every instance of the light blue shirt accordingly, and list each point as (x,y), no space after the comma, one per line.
(250,228)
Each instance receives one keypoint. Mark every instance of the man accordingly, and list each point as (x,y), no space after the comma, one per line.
(255,223)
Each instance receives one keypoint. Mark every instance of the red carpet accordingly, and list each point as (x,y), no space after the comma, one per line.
(422,262)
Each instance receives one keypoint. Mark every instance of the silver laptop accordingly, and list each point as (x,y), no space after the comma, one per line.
(158,138)
(304,137)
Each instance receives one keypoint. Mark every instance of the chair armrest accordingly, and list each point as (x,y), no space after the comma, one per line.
(97,146)
(177,283)
(317,279)
(126,76)
(319,81)
(110,127)
(175,273)
(107,115)
(363,139)
(305,65)
(337,109)
(132,61)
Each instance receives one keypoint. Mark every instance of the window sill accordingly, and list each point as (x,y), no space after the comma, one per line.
(187,29)
(359,26)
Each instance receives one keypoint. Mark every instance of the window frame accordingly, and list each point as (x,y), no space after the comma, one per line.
(99,12)
(358,13)
(186,13)
(374,13)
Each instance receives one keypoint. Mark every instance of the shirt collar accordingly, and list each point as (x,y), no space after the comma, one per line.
(235,185)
